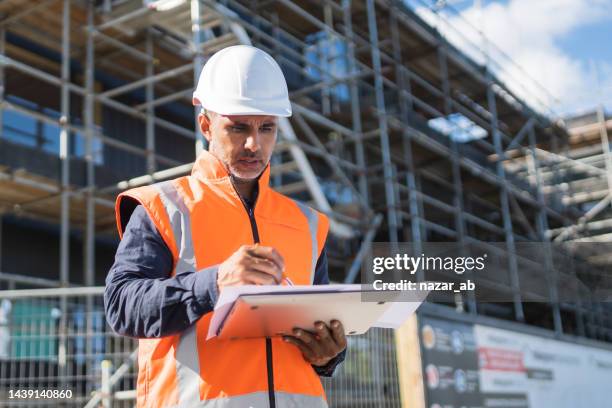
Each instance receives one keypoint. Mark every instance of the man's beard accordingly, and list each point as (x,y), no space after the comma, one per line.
(241,180)
(244,155)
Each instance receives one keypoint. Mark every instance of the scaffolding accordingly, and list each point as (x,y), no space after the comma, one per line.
(397,134)
(584,180)
(587,182)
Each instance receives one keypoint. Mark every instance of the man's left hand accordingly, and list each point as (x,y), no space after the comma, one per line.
(320,347)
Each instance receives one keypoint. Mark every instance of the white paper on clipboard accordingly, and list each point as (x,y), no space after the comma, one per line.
(229,295)
(394,317)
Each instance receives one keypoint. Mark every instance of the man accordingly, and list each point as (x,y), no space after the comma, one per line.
(185,240)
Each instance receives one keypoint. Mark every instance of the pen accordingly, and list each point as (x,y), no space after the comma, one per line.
(286,279)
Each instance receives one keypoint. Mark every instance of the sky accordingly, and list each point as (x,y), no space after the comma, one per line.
(561,50)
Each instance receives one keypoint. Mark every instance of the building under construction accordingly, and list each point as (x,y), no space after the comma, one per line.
(396,134)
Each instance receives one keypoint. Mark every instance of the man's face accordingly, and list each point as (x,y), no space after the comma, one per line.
(243,143)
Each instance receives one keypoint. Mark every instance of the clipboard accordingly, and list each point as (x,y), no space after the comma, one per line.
(271,315)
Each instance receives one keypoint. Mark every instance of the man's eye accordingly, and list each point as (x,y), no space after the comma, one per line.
(236,128)
(267,129)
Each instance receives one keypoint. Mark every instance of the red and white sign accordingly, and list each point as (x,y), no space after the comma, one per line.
(499,359)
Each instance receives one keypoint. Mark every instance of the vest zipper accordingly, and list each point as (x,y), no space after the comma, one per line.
(270,366)
(269,362)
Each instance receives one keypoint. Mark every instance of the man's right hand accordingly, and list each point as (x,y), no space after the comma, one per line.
(251,265)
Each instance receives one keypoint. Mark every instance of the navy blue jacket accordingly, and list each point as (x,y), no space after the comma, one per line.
(142,300)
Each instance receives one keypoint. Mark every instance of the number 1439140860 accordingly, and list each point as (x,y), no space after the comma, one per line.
(39,394)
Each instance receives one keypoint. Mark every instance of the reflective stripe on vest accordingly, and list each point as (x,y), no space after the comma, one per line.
(313,225)
(260,400)
(187,361)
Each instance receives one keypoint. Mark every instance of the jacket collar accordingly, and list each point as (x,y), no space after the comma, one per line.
(209,168)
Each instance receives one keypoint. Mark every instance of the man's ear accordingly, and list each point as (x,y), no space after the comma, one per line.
(204,122)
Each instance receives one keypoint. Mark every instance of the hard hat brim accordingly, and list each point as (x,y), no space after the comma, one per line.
(245,108)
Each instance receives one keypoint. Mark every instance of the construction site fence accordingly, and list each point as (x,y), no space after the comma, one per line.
(56,348)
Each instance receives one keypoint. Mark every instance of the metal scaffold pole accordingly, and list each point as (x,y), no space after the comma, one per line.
(65,186)
(150,96)
(505,205)
(198,63)
(90,227)
(382,123)
(542,227)
(458,198)
(88,115)
(64,145)
(405,112)
(355,105)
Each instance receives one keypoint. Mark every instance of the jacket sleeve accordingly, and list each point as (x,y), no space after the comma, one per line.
(141,299)
(322,278)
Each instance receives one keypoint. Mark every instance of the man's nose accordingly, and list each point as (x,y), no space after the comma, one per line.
(252,141)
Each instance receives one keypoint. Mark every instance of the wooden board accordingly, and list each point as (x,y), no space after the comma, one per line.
(409,369)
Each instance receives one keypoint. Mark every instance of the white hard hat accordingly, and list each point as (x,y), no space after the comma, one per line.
(243,80)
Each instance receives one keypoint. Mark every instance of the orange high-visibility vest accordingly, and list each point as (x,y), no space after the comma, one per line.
(203,220)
